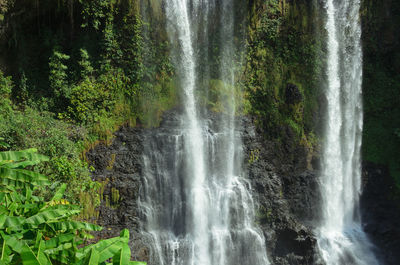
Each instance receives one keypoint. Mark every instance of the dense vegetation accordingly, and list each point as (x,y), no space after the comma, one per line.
(283,67)
(43,232)
(73,71)
(381,30)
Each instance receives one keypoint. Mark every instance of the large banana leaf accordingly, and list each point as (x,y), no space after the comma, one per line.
(13,241)
(41,255)
(92,258)
(60,248)
(29,258)
(24,158)
(5,255)
(123,256)
(74,225)
(21,236)
(19,178)
(59,240)
(14,222)
(106,248)
(59,193)
(51,215)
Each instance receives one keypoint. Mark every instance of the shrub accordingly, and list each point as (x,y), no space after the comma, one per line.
(36,231)
(6,86)
(58,74)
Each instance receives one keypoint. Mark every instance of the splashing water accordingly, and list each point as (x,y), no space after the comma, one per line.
(341,238)
(196,204)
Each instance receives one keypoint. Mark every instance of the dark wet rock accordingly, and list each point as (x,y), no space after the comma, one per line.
(293,94)
(118,166)
(286,194)
(284,190)
(380,209)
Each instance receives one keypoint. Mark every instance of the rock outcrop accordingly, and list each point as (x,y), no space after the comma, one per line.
(284,187)
(380,211)
(284,191)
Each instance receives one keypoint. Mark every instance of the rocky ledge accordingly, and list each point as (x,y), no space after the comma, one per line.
(284,187)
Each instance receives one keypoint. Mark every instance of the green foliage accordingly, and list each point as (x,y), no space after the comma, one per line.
(154,100)
(94,12)
(58,74)
(35,231)
(381,85)
(6,85)
(81,70)
(282,50)
(92,99)
(254,156)
(132,50)
(223,97)
(86,69)
(57,140)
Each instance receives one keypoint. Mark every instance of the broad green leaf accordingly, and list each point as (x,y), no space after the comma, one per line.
(124,233)
(112,249)
(23,155)
(59,193)
(123,256)
(51,215)
(38,239)
(13,241)
(41,256)
(12,207)
(137,263)
(57,241)
(74,225)
(93,258)
(106,248)
(59,248)
(28,257)
(3,210)
(28,194)
(5,252)
(19,178)
(14,222)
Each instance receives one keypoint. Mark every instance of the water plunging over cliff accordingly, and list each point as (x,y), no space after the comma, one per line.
(341,238)
(196,205)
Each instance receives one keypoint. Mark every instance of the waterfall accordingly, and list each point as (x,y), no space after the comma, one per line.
(195,201)
(341,238)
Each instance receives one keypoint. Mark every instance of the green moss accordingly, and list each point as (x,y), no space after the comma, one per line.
(282,51)
(154,100)
(381,85)
(254,155)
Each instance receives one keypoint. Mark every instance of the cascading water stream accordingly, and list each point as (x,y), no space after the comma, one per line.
(341,238)
(195,201)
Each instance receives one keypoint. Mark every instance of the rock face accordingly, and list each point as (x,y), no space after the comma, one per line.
(285,190)
(119,167)
(380,211)
(287,196)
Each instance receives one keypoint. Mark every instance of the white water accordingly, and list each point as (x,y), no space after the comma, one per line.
(197,206)
(341,238)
